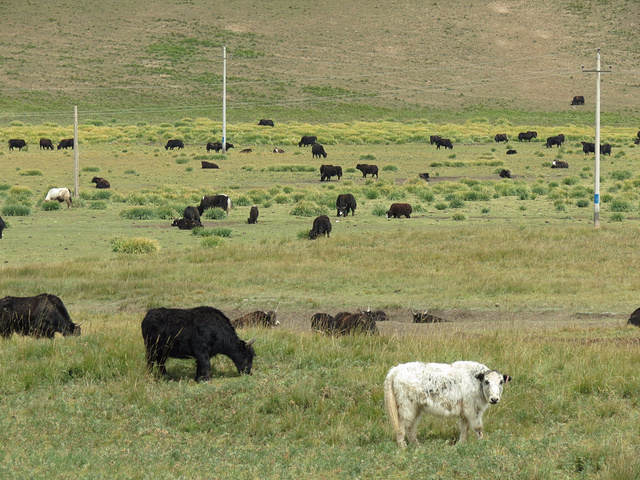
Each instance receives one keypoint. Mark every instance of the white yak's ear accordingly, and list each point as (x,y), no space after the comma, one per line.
(480,376)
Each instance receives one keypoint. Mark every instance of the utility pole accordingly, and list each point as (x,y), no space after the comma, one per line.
(76,158)
(596,150)
(224,98)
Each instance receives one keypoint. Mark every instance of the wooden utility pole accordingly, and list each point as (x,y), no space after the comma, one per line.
(596,149)
(224,99)
(76,159)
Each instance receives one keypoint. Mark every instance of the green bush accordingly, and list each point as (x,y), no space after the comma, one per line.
(379,211)
(51,205)
(582,203)
(242,201)
(458,217)
(134,245)
(306,208)
(441,206)
(30,173)
(456,203)
(621,174)
(368,156)
(211,232)
(215,214)
(619,205)
(212,241)
(616,217)
(16,210)
(138,213)
(90,169)
(99,205)
(291,168)
(390,168)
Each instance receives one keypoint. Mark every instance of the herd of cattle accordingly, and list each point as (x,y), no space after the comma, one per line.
(466,389)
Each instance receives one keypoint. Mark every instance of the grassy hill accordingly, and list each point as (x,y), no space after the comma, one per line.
(137,62)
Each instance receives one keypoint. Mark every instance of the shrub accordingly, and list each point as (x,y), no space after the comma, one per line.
(134,245)
(582,203)
(390,168)
(570,181)
(99,205)
(458,217)
(620,206)
(138,213)
(30,173)
(616,217)
(215,214)
(291,168)
(212,241)
(243,201)
(441,206)
(51,205)
(90,169)
(379,211)
(281,198)
(182,161)
(456,203)
(621,174)
(371,193)
(368,156)
(306,208)
(16,210)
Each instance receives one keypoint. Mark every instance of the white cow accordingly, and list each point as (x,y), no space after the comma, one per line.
(463,390)
(59,194)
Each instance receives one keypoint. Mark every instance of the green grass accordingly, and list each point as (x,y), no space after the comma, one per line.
(497,266)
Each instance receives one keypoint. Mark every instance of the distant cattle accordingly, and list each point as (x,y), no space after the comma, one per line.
(559,164)
(66,143)
(317,150)
(253,215)
(206,164)
(578,100)
(328,171)
(60,195)
(200,333)
(217,146)
(462,390)
(17,143)
(2,226)
(424,317)
(186,223)
(101,182)
(636,141)
(171,144)
(321,226)
(344,323)
(634,319)
(561,138)
(444,142)
(45,144)
(367,169)
(39,316)
(424,176)
(277,150)
(527,135)
(256,319)
(504,173)
(434,138)
(265,122)
(307,140)
(397,210)
(588,147)
(322,322)
(511,152)
(344,203)
(605,149)
(191,213)
(246,150)
(501,137)
(551,141)
(215,201)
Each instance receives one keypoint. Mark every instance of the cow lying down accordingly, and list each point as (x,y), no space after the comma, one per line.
(463,390)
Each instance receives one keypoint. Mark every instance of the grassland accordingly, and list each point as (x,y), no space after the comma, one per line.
(529,287)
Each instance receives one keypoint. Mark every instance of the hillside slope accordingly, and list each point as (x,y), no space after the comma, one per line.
(127,61)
